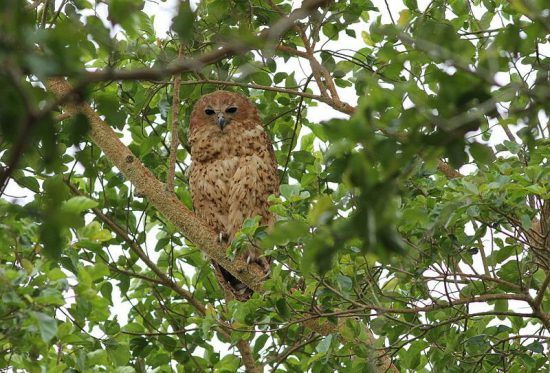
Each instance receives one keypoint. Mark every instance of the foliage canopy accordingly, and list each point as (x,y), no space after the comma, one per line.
(383,253)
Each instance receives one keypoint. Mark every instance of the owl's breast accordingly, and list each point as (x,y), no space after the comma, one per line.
(217,171)
(210,183)
(243,141)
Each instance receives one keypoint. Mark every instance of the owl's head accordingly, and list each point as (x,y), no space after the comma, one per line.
(220,109)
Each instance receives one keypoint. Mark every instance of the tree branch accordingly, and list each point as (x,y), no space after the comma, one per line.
(286,49)
(268,36)
(260,87)
(120,232)
(167,204)
(242,345)
(248,358)
(146,184)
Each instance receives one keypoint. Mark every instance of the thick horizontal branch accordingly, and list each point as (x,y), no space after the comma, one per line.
(164,279)
(167,204)
(146,184)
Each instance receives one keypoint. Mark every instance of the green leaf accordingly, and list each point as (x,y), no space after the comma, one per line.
(501,305)
(282,307)
(482,154)
(526,222)
(261,78)
(56,274)
(98,271)
(47,325)
(289,191)
(111,327)
(168,342)
(119,353)
(125,369)
(411,358)
(50,236)
(28,182)
(94,233)
(411,4)
(536,347)
(183,23)
(367,38)
(250,225)
(512,146)
(378,324)
(139,345)
(325,344)
(120,10)
(229,363)
(528,361)
(260,343)
(78,127)
(78,204)
(344,283)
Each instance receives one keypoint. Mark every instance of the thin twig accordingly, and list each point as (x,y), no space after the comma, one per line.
(119,231)
(174,129)
(298,120)
(389,11)
(219,52)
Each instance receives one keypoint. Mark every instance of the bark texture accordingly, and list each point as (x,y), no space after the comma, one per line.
(147,185)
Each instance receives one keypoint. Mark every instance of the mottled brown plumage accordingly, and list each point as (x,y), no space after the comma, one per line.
(233,170)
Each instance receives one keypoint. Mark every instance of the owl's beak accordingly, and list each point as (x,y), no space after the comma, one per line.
(221,121)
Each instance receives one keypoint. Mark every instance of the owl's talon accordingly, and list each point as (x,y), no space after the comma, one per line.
(222,237)
(240,287)
(264,263)
(267,274)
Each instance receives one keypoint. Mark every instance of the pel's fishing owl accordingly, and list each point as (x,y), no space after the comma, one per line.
(233,171)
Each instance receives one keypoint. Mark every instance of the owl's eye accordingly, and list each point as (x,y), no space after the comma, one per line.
(209,112)
(231,110)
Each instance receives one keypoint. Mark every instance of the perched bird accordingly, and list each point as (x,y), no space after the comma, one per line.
(233,172)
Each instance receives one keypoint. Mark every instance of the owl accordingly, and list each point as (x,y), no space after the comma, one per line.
(233,172)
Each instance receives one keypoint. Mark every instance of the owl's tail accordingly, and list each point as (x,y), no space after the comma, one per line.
(231,285)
